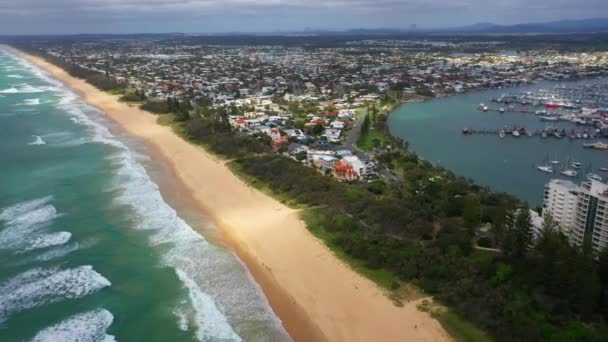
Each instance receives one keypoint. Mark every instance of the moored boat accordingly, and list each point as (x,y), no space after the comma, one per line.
(569,173)
(597,145)
(545,168)
(548,118)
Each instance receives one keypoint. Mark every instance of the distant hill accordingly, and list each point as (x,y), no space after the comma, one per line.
(562,26)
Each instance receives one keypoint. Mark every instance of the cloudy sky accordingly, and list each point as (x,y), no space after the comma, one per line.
(212,16)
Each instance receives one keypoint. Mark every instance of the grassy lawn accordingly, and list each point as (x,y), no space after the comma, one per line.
(369,141)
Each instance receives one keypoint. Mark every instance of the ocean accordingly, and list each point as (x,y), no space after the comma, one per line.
(90,249)
(434,130)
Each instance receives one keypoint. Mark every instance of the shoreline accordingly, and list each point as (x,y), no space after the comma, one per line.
(315,295)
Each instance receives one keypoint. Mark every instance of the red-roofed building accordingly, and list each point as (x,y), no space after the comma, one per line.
(344,171)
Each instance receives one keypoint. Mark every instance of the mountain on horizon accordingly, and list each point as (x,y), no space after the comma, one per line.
(560,26)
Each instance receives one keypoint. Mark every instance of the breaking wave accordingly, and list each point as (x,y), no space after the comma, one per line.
(14,211)
(38,287)
(37,141)
(24,89)
(20,229)
(85,327)
(24,224)
(48,240)
(31,102)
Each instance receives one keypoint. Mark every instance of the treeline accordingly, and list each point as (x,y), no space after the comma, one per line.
(95,78)
(181,109)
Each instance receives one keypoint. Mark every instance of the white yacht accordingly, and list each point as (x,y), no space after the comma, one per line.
(569,173)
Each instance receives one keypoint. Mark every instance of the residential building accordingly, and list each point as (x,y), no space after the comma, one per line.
(592,215)
(561,197)
(581,211)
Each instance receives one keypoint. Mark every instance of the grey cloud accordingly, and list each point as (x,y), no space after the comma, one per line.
(267,15)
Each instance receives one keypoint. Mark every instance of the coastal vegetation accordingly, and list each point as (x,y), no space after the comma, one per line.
(424,229)
(96,78)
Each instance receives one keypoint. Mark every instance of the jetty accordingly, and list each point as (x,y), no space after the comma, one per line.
(557,133)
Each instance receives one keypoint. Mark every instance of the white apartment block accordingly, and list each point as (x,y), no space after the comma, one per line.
(592,215)
(561,197)
(581,211)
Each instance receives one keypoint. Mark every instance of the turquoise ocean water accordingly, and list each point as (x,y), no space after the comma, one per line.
(89,249)
(433,129)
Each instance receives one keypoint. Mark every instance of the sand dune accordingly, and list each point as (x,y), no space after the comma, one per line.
(317,296)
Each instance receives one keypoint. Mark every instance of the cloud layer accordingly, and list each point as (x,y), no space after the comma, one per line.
(106,16)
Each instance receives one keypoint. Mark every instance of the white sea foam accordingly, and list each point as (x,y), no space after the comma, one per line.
(48,240)
(64,139)
(24,89)
(215,324)
(37,141)
(12,212)
(56,253)
(14,76)
(33,217)
(31,102)
(23,221)
(135,189)
(40,287)
(9,91)
(85,327)
(216,281)
(182,319)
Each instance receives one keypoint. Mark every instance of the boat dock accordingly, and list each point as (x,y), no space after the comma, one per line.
(517,132)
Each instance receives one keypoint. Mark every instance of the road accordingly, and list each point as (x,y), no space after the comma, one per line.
(355,132)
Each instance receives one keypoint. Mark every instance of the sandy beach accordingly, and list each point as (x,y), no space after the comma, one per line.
(317,296)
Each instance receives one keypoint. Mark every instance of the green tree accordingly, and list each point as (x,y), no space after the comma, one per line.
(471,214)
(517,233)
(365,126)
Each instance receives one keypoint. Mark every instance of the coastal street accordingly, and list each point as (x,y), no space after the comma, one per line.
(356,131)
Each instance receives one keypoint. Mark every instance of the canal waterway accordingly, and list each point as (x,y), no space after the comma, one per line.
(434,131)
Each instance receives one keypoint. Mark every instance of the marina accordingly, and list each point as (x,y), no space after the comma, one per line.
(583,105)
(511,164)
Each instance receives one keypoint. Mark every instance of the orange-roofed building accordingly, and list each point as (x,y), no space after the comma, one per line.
(344,171)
